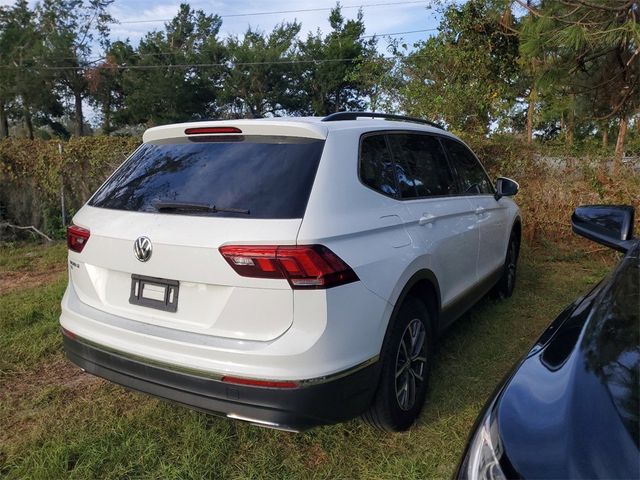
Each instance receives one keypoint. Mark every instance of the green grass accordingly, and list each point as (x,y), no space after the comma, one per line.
(28,316)
(33,259)
(67,425)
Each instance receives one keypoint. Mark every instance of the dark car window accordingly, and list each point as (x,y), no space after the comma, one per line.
(422,167)
(271,177)
(473,177)
(376,166)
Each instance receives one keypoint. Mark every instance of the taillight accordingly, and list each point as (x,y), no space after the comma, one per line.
(77,238)
(304,266)
(260,383)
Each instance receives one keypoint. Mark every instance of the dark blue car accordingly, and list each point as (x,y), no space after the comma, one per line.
(570,408)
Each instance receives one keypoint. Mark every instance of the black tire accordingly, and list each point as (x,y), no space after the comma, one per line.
(390,410)
(507,283)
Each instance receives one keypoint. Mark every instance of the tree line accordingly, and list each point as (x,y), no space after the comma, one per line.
(540,69)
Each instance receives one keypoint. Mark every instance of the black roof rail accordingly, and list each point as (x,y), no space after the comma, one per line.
(339,116)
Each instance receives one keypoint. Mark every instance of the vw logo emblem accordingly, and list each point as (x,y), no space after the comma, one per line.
(142,248)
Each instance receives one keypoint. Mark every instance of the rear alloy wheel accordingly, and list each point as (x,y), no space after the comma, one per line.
(411,361)
(405,369)
(507,283)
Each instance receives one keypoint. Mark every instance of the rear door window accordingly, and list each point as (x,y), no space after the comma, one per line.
(473,178)
(270,177)
(421,165)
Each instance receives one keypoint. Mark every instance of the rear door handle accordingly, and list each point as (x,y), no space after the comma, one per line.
(427,218)
(480,211)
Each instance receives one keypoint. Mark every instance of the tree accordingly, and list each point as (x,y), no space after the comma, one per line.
(26,83)
(6,92)
(105,83)
(327,80)
(69,28)
(161,83)
(261,78)
(468,74)
(380,80)
(591,49)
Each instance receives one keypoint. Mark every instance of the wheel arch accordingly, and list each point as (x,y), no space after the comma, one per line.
(423,285)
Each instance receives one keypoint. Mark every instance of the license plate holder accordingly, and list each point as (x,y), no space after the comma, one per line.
(153,292)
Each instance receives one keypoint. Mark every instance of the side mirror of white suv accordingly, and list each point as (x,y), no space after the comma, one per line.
(505,187)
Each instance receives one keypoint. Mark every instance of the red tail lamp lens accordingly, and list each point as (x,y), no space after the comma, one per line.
(211,130)
(304,266)
(260,383)
(77,238)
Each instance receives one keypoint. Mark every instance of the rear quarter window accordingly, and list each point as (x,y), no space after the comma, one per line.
(271,177)
(376,165)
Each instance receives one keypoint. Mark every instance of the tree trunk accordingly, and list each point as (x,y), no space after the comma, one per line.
(79,127)
(4,123)
(571,121)
(530,112)
(373,101)
(605,137)
(622,132)
(106,112)
(28,123)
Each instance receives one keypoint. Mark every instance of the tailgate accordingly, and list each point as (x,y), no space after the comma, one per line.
(212,298)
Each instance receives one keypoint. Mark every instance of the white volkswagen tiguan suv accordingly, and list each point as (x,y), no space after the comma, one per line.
(286,272)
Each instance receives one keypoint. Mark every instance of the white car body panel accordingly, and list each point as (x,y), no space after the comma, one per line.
(304,352)
(494,220)
(443,228)
(214,300)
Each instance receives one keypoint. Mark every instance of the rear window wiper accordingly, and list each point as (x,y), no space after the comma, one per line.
(195,207)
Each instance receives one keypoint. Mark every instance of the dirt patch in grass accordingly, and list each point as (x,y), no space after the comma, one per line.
(54,371)
(31,266)
(16,280)
(24,394)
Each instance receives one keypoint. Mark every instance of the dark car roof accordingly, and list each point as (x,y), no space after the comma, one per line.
(571,408)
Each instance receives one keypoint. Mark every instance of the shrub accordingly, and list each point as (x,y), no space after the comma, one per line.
(34,175)
(553,180)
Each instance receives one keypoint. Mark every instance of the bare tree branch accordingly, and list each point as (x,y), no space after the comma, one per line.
(30,228)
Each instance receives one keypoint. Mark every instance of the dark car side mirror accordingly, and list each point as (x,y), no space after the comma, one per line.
(505,187)
(610,225)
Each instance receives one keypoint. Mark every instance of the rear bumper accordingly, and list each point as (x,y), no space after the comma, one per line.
(296,409)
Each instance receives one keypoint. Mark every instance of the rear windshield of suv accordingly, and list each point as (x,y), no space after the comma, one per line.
(264,177)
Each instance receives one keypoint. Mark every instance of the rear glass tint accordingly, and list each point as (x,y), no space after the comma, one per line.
(271,177)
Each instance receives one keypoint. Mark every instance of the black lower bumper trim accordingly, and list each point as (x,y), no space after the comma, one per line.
(292,409)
